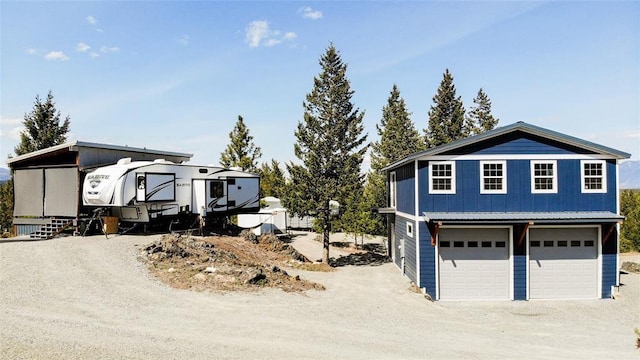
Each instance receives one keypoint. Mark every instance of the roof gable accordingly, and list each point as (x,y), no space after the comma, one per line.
(517,138)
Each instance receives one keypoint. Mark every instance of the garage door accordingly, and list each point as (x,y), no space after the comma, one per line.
(563,263)
(474,264)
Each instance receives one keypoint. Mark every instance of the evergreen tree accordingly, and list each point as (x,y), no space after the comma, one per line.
(241,151)
(630,228)
(398,138)
(272,180)
(446,115)
(480,119)
(6,205)
(42,128)
(330,146)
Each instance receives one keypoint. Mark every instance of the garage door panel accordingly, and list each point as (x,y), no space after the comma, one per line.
(563,263)
(474,264)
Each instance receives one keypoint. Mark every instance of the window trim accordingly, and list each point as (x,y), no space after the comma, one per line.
(603,163)
(392,190)
(453,177)
(409,229)
(503,177)
(554,177)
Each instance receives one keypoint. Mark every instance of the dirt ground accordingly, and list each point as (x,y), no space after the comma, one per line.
(94,298)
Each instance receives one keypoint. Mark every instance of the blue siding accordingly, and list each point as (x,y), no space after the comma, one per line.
(410,247)
(609,274)
(519,277)
(405,189)
(427,261)
(526,145)
(519,197)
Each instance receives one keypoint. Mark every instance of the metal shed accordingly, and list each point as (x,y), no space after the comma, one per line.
(47,182)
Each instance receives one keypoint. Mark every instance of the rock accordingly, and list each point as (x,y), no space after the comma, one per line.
(210,269)
(631,267)
(170,270)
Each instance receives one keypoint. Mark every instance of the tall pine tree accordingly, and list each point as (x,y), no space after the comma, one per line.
(42,127)
(446,115)
(480,118)
(272,179)
(398,138)
(330,147)
(241,151)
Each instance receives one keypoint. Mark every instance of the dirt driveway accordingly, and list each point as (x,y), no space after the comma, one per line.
(90,298)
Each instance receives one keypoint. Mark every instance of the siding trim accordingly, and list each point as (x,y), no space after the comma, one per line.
(406,216)
(417,218)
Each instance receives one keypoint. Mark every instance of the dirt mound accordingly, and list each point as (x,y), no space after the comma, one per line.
(225,263)
(631,267)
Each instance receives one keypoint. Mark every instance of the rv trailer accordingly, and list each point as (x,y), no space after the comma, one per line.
(161,191)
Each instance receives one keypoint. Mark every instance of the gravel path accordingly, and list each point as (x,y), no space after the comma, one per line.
(90,298)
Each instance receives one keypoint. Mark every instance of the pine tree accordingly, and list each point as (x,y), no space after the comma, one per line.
(241,151)
(272,180)
(6,205)
(398,134)
(42,128)
(446,115)
(398,139)
(330,146)
(480,119)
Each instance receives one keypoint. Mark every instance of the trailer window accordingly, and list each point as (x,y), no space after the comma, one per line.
(216,189)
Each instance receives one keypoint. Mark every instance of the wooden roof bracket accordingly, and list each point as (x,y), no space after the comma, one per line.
(434,229)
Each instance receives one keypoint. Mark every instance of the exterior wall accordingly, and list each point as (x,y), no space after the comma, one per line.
(609,259)
(520,277)
(405,189)
(519,197)
(409,247)
(427,261)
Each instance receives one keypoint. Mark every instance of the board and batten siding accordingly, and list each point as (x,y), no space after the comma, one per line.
(519,197)
(427,261)
(409,247)
(405,189)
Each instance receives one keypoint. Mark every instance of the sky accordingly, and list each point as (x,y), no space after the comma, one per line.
(175,75)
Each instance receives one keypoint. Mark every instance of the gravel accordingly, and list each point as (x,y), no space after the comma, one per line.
(91,298)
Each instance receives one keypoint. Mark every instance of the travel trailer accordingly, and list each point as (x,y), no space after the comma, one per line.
(161,191)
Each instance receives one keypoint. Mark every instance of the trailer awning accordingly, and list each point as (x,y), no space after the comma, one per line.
(523,217)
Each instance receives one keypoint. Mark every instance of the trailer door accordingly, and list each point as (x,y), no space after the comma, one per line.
(216,196)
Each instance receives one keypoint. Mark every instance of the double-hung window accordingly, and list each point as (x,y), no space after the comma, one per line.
(594,176)
(493,177)
(442,177)
(544,176)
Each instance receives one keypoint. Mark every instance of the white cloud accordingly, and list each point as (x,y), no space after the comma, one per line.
(258,33)
(32,51)
(10,128)
(82,47)
(309,13)
(184,40)
(91,20)
(94,55)
(56,56)
(109,49)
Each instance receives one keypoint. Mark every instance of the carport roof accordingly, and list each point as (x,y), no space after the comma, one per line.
(523,217)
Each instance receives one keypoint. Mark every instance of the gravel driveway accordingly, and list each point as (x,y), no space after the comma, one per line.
(90,298)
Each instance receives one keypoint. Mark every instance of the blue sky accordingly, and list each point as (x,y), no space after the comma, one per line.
(176,75)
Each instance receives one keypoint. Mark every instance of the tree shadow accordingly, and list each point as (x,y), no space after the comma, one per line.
(367,258)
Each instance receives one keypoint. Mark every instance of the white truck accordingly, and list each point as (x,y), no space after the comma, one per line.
(161,191)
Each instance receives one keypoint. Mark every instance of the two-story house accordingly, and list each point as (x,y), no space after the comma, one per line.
(519,212)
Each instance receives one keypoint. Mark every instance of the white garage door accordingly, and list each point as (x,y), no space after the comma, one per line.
(563,263)
(474,264)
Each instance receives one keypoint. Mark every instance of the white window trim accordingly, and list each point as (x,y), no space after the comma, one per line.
(604,176)
(392,189)
(410,229)
(553,190)
(453,177)
(504,177)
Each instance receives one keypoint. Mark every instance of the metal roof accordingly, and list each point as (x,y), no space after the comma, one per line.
(74,145)
(518,126)
(511,217)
